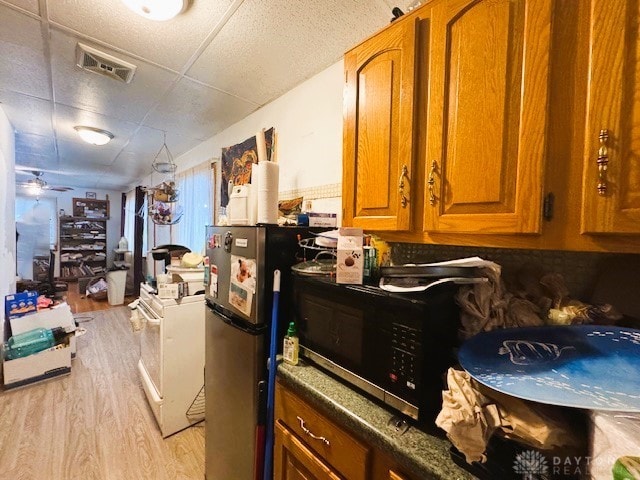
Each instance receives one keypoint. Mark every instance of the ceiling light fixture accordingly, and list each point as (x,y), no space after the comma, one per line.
(159,10)
(94,136)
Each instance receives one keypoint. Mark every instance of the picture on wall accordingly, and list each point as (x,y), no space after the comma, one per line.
(237,161)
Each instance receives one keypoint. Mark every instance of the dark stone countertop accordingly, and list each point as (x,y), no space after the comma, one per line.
(423,455)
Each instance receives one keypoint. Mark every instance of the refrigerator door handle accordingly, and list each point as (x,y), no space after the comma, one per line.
(235,324)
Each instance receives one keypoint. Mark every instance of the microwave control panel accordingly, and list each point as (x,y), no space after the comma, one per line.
(405,356)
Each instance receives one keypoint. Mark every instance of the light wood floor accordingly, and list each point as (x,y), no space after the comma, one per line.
(94,423)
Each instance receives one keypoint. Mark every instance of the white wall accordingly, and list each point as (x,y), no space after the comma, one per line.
(308,124)
(7,208)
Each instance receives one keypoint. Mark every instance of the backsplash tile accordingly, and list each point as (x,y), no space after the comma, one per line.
(320,191)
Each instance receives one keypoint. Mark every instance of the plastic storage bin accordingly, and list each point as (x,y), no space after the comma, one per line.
(116,282)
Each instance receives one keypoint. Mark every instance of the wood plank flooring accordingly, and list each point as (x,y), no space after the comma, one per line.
(94,423)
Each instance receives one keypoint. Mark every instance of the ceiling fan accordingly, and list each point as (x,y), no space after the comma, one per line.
(37,185)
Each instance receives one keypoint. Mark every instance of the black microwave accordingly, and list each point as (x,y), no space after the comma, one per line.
(395,347)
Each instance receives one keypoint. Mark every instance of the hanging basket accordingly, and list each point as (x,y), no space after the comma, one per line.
(163,162)
(165,213)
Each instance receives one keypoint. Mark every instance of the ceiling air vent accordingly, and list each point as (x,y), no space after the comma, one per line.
(99,62)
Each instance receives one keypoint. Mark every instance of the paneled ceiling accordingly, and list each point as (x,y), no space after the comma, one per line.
(197,74)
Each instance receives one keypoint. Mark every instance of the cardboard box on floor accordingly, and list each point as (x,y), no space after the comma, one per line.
(48,363)
(40,366)
(59,316)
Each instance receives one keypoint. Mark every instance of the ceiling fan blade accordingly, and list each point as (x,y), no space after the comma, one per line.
(59,189)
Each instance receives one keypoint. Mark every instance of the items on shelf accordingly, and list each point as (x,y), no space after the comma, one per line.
(83,246)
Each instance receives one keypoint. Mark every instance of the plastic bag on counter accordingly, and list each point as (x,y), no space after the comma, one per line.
(531,298)
(489,305)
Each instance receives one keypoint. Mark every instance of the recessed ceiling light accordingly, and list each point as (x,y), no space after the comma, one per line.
(156,9)
(94,136)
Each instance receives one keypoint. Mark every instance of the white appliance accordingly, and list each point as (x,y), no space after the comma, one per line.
(171,364)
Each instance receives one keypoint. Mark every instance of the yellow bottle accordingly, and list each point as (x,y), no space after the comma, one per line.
(290,347)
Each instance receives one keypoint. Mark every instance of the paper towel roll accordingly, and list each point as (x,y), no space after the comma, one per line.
(261,146)
(267,177)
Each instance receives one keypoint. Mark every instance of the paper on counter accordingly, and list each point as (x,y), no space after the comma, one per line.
(464,262)
(422,288)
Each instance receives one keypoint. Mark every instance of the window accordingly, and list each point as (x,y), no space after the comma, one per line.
(195,190)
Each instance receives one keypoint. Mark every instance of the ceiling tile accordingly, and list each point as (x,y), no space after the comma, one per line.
(27,114)
(170,43)
(198,111)
(27,143)
(98,93)
(29,5)
(69,117)
(279,37)
(23,68)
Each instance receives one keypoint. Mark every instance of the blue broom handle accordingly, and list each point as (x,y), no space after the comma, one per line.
(273,348)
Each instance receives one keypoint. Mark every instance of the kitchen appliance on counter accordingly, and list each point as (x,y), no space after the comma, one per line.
(239,297)
(172,358)
(161,258)
(395,347)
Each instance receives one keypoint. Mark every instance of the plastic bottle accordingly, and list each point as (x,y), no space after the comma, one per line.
(303,217)
(290,347)
(33,341)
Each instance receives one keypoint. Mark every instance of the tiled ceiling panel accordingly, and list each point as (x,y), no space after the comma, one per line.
(266,40)
(28,5)
(169,43)
(27,114)
(94,92)
(23,68)
(69,117)
(238,55)
(198,111)
(27,143)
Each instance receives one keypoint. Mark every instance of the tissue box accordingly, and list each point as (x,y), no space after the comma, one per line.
(322,219)
(20,304)
(350,261)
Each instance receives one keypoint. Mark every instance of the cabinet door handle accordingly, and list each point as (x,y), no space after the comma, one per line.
(431,182)
(404,173)
(310,434)
(603,161)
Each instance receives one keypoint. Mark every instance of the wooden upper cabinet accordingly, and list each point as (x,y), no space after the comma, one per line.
(379,130)
(611,184)
(486,115)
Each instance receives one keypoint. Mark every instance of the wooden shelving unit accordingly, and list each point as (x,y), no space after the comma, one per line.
(83,246)
(90,208)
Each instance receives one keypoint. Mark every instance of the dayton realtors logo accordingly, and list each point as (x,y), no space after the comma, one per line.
(530,464)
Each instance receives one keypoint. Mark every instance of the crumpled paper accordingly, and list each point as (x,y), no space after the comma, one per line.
(471,413)
(468,417)
(488,306)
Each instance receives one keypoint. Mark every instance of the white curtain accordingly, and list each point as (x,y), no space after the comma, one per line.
(195,190)
(129,218)
(33,217)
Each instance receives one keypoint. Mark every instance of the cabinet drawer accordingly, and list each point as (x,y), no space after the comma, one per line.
(349,456)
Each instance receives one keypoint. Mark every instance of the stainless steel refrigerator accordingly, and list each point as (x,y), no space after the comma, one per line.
(239,296)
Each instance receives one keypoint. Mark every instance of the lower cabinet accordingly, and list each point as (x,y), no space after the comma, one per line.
(310,446)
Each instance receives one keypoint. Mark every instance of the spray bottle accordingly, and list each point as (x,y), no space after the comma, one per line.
(290,347)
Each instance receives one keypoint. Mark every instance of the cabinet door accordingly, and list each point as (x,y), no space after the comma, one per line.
(611,186)
(292,460)
(379,130)
(487,115)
